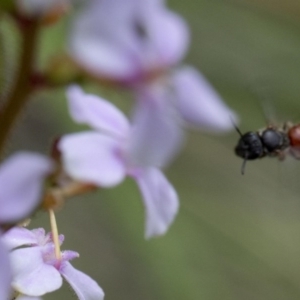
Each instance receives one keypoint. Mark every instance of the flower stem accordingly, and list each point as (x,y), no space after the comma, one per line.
(22,87)
(55,234)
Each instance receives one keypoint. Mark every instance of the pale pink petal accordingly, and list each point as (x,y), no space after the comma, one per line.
(68,255)
(31,276)
(167,35)
(19,236)
(61,238)
(96,112)
(40,236)
(49,238)
(156,135)
(48,254)
(160,199)
(92,157)
(5,273)
(102,40)
(85,287)
(21,181)
(199,104)
(126,40)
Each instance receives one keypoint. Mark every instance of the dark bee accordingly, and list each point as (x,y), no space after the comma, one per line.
(270,141)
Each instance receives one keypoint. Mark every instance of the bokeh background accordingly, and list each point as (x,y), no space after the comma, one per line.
(236,237)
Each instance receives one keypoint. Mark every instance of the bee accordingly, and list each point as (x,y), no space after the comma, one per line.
(272,141)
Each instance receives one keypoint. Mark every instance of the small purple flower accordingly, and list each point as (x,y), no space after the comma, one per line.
(137,43)
(116,149)
(21,180)
(128,41)
(37,271)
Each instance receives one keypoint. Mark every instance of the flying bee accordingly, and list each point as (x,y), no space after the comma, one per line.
(273,141)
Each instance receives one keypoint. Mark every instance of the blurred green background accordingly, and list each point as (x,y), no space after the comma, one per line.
(236,237)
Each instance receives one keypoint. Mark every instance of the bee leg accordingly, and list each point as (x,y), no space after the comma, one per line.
(287,126)
(281,155)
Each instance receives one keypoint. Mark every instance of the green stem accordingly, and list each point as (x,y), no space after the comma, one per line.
(22,87)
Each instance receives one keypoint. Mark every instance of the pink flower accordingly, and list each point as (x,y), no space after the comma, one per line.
(116,149)
(128,41)
(21,182)
(137,44)
(36,270)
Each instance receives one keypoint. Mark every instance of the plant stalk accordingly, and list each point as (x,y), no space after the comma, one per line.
(22,87)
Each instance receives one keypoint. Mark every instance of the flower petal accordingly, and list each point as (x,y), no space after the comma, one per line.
(19,236)
(92,157)
(127,40)
(101,39)
(21,180)
(5,273)
(199,103)
(167,35)
(97,112)
(156,132)
(160,199)
(31,276)
(41,236)
(85,287)
(69,255)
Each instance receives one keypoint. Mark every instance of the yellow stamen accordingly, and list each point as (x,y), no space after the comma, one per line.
(55,234)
